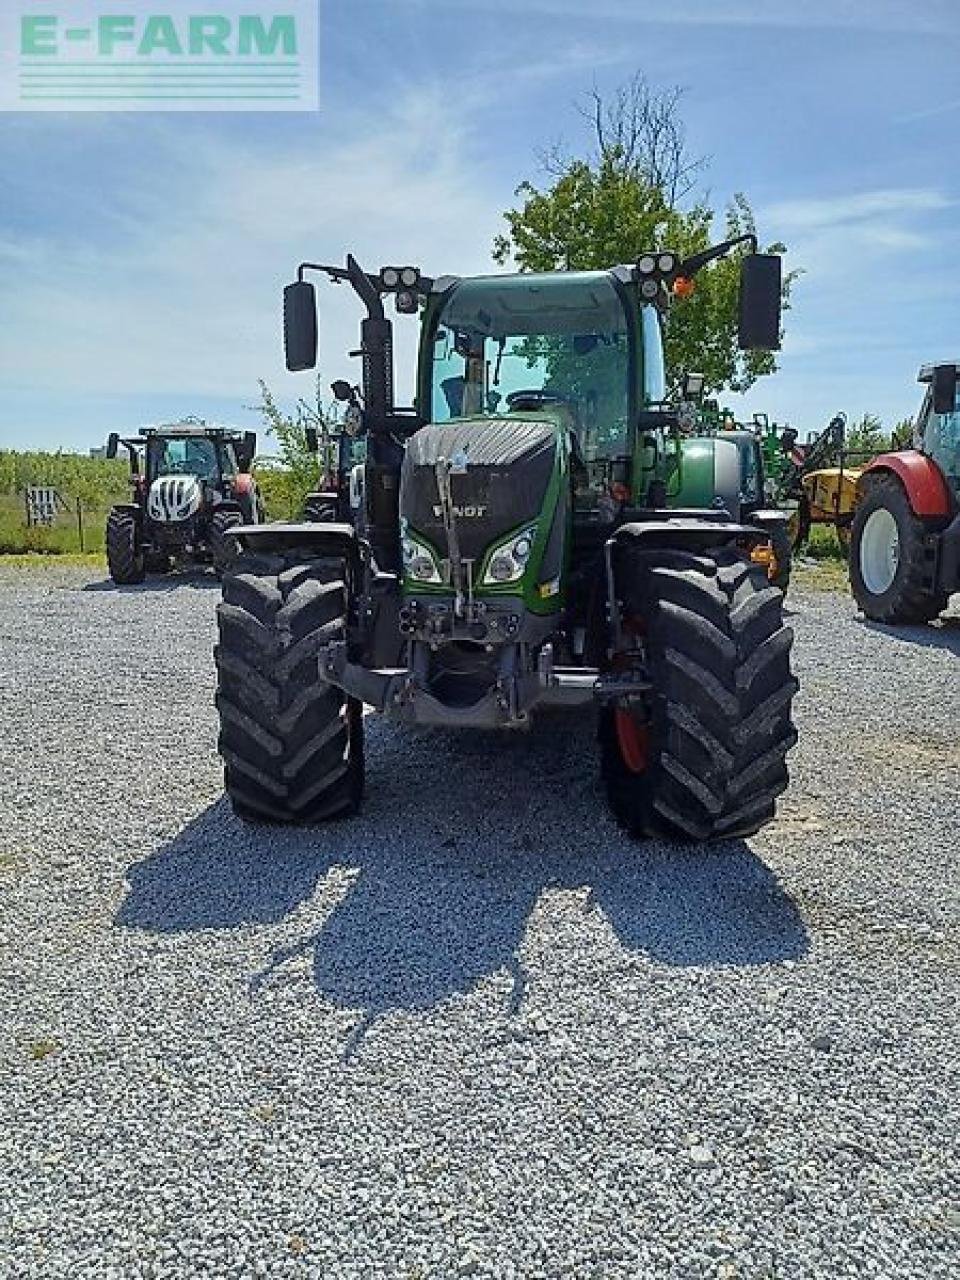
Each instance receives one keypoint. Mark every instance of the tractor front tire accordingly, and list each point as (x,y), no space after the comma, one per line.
(708,758)
(292,744)
(889,567)
(125,558)
(224,550)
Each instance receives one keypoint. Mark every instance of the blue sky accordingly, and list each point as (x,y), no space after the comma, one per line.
(142,256)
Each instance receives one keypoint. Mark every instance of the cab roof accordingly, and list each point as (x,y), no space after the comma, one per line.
(190,429)
(926,371)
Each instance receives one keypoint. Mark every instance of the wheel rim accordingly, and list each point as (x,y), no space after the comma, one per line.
(634,742)
(879,551)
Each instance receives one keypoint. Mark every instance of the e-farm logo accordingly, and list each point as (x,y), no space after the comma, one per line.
(177,55)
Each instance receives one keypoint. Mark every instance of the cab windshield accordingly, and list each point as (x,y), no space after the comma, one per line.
(564,336)
(184,456)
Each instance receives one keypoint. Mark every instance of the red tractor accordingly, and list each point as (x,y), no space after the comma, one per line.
(905,540)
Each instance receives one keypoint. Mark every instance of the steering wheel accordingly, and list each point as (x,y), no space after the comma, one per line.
(533,400)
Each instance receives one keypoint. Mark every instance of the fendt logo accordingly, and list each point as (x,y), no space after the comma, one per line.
(178,56)
(463,513)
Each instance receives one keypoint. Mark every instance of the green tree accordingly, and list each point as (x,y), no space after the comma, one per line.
(624,198)
(867,435)
(296,470)
(902,435)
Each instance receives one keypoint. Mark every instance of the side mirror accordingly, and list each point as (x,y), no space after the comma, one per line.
(310,439)
(247,450)
(113,440)
(342,390)
(944,388)
(300,326)
(760,290)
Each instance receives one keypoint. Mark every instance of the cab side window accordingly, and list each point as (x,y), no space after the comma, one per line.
(654,382)
(943,439)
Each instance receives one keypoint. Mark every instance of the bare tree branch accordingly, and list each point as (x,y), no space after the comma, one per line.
(639,130)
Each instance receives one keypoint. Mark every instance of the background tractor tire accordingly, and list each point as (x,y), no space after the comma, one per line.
(224,550)
(889,569)
(292,744)
(781,544)
(710,761)
(124,553)
(800,523)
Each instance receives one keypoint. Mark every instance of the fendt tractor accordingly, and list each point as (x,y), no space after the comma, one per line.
(905,540)
(536,532)
(191,487)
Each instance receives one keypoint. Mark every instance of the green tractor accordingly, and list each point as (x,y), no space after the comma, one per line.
(763,453)
(537,531)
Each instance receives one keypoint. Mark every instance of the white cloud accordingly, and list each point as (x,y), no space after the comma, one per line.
(191,301)
(854,207)
(867,309)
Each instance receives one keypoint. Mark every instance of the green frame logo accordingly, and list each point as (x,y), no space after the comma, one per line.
(183,55)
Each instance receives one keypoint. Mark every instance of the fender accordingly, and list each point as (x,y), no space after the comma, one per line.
(318,539)
(920,476)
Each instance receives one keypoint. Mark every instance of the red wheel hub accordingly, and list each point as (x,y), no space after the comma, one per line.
(634,742)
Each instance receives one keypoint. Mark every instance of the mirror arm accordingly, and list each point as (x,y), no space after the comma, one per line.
(690,266)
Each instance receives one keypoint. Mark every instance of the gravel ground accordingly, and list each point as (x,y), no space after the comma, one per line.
(473,1031)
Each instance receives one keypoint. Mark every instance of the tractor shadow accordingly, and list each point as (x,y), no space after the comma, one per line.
(195,579)
(942,634)
(442,880)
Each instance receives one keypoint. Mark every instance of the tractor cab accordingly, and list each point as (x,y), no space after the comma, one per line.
(190,455)
(565,349)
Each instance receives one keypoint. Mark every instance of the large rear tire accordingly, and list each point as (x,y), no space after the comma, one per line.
(889,566)
(125,558)
(709,760)
(292,744)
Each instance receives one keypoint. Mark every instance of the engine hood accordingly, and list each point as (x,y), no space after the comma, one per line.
(501,472)
(173,498)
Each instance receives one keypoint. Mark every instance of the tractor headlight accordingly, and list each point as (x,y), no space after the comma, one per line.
(419,562)
(509,558)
